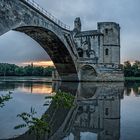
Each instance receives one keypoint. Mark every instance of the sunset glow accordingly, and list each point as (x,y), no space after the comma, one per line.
(39,63)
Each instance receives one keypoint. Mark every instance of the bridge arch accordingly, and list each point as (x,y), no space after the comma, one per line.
(91,68)
(55,48)
(87,72)
(55,40)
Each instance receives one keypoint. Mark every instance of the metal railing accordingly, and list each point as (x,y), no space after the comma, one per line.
(46,13)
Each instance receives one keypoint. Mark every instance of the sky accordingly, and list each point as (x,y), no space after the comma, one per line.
(18,48)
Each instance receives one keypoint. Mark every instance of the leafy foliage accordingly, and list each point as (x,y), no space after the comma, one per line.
(36,126)
(4,98)
(62,99)
(132,70)
(30,70)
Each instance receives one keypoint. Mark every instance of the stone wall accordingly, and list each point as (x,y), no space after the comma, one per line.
(110,41)
(102,77)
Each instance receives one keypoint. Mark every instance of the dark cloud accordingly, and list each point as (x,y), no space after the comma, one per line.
(125,12)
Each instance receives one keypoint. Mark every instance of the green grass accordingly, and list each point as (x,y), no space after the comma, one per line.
(132,78)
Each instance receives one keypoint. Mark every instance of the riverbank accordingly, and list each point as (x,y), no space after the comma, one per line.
(44,79)
(132,78)
(25,79)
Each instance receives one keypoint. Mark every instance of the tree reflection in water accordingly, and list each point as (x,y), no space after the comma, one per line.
(132,88)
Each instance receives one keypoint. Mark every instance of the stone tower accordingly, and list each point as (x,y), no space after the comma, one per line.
(110,51)
(77,24)
(98,52)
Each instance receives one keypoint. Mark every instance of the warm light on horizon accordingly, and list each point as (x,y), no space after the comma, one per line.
(131,61)
(38,89)
(39,63)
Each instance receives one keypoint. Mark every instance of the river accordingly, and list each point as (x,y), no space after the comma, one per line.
(102,111)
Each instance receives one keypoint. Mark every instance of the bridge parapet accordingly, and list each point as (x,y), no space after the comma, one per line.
(46,13)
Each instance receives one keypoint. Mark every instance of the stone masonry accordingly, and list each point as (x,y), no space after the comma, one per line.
(77,55)
(98,52)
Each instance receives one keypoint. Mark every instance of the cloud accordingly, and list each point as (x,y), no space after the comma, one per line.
(125,12)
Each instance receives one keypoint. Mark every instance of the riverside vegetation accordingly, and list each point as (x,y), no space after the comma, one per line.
(30,70)
(5,98)
(39,126)
(132,71)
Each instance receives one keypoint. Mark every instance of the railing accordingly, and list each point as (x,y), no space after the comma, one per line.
(46,13)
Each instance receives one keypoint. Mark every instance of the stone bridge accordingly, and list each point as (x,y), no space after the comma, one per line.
(50,33)
(72,62)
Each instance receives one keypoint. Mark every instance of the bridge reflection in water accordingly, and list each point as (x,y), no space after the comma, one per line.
(95,115)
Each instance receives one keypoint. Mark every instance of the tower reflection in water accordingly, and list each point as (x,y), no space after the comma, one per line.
(96,114)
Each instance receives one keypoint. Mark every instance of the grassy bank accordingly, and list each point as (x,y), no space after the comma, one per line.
(26,79)
(132,78)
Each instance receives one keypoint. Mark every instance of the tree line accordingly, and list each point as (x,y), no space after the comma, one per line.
(30,70)
(131,70)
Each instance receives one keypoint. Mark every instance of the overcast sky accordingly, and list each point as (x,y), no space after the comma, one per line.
(15,47)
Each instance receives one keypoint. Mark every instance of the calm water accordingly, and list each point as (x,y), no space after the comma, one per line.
(102,111)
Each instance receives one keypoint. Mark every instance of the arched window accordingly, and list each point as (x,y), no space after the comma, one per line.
(106,51)
(106,31)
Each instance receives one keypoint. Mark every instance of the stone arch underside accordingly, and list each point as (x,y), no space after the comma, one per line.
(55,48)
(23,17)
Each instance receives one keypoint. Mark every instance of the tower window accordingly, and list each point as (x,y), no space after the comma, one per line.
(111,30)
(106,31)
(106,111)
(106,51)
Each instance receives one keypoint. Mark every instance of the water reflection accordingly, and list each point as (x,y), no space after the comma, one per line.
(101,111)
(96,113)
(37,89)
(24,96)
(132,88)
(27,87)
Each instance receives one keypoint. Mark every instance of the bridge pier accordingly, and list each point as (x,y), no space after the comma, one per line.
(92,73)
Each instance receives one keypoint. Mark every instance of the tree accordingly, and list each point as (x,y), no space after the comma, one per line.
(19,71)
(127,69)
(135,68)
(30,70)
(48,71)
(38,71)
